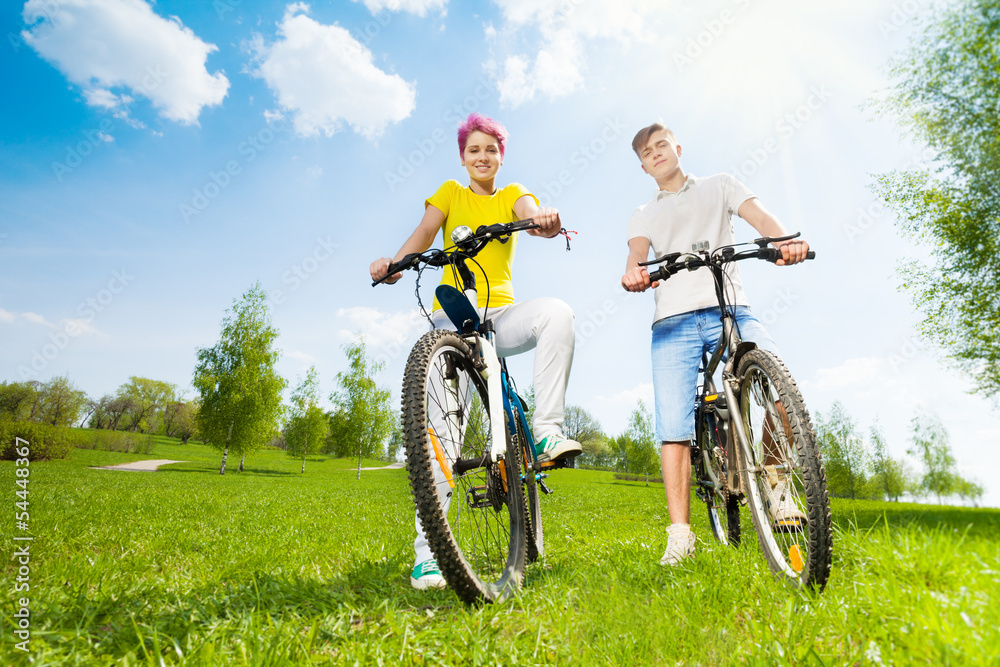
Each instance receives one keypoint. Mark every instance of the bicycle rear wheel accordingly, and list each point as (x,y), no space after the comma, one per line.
(783,473)
(723,507)
(471,510)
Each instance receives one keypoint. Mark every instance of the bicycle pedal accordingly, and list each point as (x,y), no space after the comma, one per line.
(546,490)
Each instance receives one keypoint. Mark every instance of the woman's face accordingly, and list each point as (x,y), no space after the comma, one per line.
(482,156)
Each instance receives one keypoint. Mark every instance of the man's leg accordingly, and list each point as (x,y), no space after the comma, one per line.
(676,351)
(675,461)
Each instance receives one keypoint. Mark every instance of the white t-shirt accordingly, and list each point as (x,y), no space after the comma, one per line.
(702,210)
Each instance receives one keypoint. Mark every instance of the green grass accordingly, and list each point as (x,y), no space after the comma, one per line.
(273,567)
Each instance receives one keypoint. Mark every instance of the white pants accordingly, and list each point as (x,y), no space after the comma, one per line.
(545,324)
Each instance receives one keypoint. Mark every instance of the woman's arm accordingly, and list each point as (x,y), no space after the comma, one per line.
(419,241)
(545,216)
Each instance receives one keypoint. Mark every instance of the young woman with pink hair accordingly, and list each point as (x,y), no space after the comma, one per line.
(545,324)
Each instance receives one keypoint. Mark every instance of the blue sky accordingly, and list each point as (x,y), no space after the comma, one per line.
(158,159)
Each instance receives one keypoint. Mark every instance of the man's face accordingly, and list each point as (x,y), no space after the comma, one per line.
(661,154)
(482,156)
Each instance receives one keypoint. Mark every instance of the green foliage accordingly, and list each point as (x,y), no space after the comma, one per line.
(18,400)
(581,426)
(396,439)
(307,425)
(362,420)
(146,399)
(888,480)
(111,441)
(239,389)
(45,442)
(844,453)
(57,402)
(946,94)
(930,446)
(635,451)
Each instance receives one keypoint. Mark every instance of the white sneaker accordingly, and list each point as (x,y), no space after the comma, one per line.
(785,513)
(680,544)
(557,446)
(427,575)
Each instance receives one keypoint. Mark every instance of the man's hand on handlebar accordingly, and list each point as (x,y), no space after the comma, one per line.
(792,252)
(636,279)
(378,269)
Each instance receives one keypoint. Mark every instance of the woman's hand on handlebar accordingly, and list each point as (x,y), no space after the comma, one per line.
(792,252)
(379,268)
(547,219)
(636,279)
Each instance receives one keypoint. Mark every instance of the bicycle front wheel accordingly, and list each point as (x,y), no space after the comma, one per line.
(471,510)
(783,473)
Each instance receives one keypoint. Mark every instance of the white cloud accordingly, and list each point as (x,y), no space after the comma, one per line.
(323,78)
(641,392)
(418,7)
(556,69)
(102,45)
(381,328)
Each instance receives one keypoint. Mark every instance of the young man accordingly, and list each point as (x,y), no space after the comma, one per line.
(545,324)
(687,319)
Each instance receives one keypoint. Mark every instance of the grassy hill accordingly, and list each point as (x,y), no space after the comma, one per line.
(274,567)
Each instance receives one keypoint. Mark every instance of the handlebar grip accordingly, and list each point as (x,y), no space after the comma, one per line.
(659,274)
(811,254)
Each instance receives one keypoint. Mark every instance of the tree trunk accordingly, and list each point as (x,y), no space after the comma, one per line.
(303,461)
(359,465)
(225,452)
(242,458)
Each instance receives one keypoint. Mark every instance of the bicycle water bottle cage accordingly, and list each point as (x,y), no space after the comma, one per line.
(458,309)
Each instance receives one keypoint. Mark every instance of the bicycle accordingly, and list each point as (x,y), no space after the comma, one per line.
(754,441)
(470,453)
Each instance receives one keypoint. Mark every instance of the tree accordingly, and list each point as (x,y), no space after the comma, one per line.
(179,419)
(307,426)
(60,402)
(396,438)
(16,400)
(888,476)
(146,399)
(931,448)
(240,392)
(968,490)
(362,420)
(635,450)
(945,94)
(844,453)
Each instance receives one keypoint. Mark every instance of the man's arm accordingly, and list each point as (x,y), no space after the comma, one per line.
(545,216)
(792,252)
(419,241)
(636,278)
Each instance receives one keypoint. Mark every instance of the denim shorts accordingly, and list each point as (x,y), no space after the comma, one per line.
(678,343)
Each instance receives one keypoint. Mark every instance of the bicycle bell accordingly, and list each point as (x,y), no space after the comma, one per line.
(461,235)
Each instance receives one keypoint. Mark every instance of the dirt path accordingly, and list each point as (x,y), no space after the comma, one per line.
(151,465)
(391,466)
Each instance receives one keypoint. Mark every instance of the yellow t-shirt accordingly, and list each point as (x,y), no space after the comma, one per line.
(462,206)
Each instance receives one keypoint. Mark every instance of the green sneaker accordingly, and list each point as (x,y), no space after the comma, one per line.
(557,446)
(427,575)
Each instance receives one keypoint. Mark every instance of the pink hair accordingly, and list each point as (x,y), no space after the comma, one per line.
(484,124)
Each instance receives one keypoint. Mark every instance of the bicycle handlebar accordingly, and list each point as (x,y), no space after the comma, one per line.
(719,256)
(467,248)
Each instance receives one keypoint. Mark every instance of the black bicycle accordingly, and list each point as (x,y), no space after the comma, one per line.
(754,441)
(470,453)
